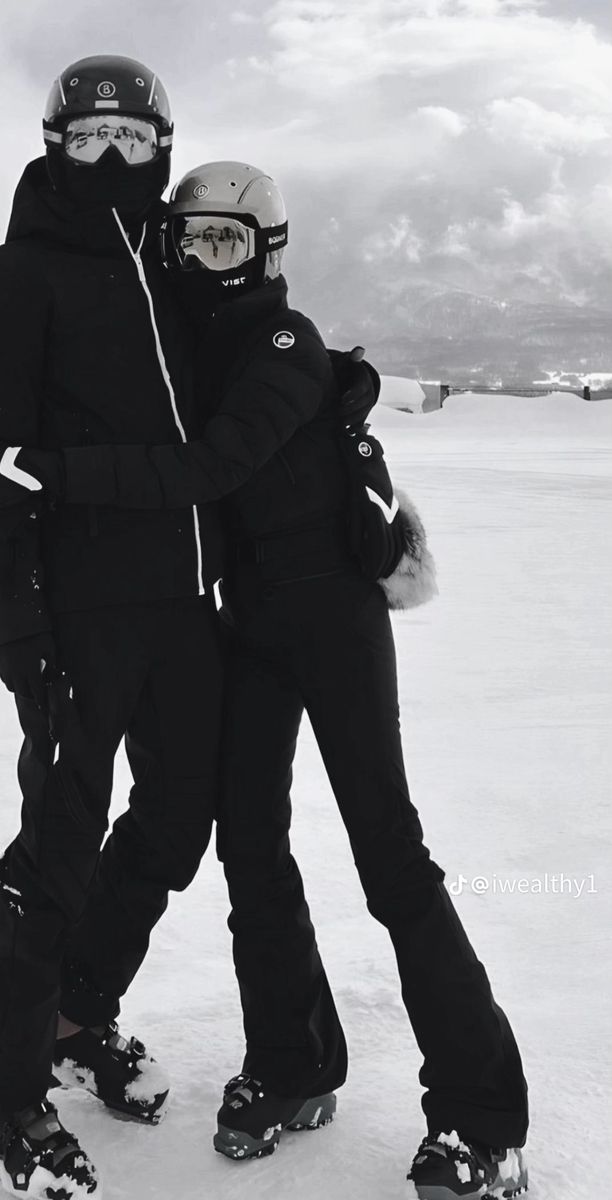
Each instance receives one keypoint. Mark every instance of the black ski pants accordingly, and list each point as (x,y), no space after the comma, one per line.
(74,922)
(326,645)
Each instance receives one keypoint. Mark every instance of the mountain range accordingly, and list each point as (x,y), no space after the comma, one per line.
(462,338)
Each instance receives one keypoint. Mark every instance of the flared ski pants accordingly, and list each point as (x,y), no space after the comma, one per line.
(325,645)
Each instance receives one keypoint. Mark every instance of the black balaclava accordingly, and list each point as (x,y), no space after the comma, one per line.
(109,183)
(203,291)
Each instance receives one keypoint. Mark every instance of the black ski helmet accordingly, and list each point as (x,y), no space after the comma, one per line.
(113,84)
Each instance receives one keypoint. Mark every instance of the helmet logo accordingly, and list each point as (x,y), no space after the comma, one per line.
(283,340)
(106,89)
(201,191)
(365,449)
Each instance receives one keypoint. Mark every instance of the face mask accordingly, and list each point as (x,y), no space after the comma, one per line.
(108,184)
(214,287)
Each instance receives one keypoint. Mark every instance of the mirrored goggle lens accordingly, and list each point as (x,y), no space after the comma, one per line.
(216,243)
(86,138)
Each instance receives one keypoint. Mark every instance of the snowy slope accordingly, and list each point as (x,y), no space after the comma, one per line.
(506,696)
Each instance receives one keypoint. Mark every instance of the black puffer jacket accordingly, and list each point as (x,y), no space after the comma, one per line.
(81,366)
(271,446)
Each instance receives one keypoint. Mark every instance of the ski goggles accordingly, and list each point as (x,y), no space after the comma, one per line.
(220,242)
(85,139)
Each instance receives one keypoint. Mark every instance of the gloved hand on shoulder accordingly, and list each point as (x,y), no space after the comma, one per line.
(358,383)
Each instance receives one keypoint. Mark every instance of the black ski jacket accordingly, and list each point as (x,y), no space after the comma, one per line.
(91,351)
(271,446)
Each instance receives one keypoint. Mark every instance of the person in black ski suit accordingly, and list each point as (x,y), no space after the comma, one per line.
(310,632)
(108,624)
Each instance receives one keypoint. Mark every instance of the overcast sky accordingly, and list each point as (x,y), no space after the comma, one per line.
(462,141)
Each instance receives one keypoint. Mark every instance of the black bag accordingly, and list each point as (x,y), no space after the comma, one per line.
(376,535)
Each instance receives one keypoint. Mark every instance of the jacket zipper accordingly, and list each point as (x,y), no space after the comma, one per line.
(135,256)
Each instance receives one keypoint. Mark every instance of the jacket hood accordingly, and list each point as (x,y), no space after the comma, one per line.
(39,212)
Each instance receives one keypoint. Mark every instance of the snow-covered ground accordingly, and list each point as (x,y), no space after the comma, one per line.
(506,695)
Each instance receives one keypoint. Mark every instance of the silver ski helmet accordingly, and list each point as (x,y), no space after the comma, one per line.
(224,215)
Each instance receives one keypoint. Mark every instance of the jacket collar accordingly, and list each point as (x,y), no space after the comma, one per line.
(39,212)
(256,306)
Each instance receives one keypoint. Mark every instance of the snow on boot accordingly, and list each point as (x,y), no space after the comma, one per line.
(40,1159)
(251,1119)
(119,1072)
(445,1168)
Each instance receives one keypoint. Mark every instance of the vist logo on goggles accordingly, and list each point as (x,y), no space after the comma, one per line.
(86,139)
(220,243)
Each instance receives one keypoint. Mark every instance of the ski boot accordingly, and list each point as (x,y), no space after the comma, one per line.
(39,1159)
(251,1120)
(120,1073)
(446,1168)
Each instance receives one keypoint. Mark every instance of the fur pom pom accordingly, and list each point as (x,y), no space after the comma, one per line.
(414,580)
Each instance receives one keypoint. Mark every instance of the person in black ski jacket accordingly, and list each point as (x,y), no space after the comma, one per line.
(311,632)
(108,623)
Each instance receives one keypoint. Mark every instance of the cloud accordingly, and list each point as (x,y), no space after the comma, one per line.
(520,120)
(447,121)
(477,130)
(423,143)
(397,242)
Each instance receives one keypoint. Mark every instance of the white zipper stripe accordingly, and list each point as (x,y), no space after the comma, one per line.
(135,255)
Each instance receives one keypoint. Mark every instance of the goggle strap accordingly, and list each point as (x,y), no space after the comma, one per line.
(49,135)
(273,238)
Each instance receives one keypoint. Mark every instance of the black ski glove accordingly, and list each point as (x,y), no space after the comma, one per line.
(358,383)
(28,666)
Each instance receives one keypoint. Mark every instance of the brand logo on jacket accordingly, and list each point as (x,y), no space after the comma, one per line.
(389,511)
(201,191)
(106,89)
(233,282)
(365,449)
(283,340)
